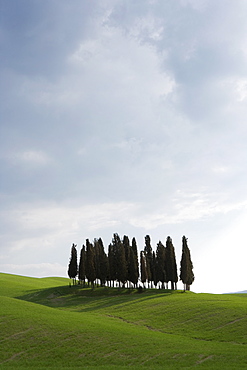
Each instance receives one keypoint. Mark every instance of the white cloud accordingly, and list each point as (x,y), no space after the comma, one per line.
(237,87)
(34,157)
(50,94)
(198,5)
(30,158)
(186,207)
(117,62)
(48,224)
(221,169)
(148,28)
(45,226)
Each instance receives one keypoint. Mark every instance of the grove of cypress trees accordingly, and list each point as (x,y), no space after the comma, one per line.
(73,268)
(121,264)
(186,266)
(171,265)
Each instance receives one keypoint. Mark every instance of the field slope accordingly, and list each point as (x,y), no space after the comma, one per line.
(46,324)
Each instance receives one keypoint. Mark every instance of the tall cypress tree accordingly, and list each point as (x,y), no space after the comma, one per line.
(161,263)
(186,266)
(126,245)
(73,268)
(103,262)
(112,264)
(155,277)
(134,265)
(82,266)
(90,263)
(171,264)
(149,258)
(97,256)
(144,274)
(120,260)
(135,250)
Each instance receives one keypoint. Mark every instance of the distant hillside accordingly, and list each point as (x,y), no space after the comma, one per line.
(242,292)
(47,324)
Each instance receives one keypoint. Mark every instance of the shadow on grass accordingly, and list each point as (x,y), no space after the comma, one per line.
(86,299)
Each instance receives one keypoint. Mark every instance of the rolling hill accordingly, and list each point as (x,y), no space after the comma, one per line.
(47,324)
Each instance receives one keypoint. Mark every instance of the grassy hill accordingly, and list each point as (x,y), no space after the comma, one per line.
(46,324)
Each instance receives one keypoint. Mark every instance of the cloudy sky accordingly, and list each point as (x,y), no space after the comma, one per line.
(129,117)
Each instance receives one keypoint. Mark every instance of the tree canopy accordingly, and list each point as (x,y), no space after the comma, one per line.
(73,268)
(186,266)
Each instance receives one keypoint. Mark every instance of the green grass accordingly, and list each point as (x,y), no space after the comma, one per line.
(46,324)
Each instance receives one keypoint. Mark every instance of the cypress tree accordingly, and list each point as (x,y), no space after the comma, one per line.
(120,260)
(155,278)
(186,266)
(97,257)
(90,263)
(112,264)
(144,274)
(103,262)
(171,265)
(134,248)
(161,264)
(82,266)
(73,268)
(133,265)
(149,258)
(126,245)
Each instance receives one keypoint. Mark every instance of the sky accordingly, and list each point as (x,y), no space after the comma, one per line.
(124,117)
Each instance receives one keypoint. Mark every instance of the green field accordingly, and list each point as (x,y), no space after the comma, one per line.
(47,324)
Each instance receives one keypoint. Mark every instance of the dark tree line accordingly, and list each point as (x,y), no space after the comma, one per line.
(121,265)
